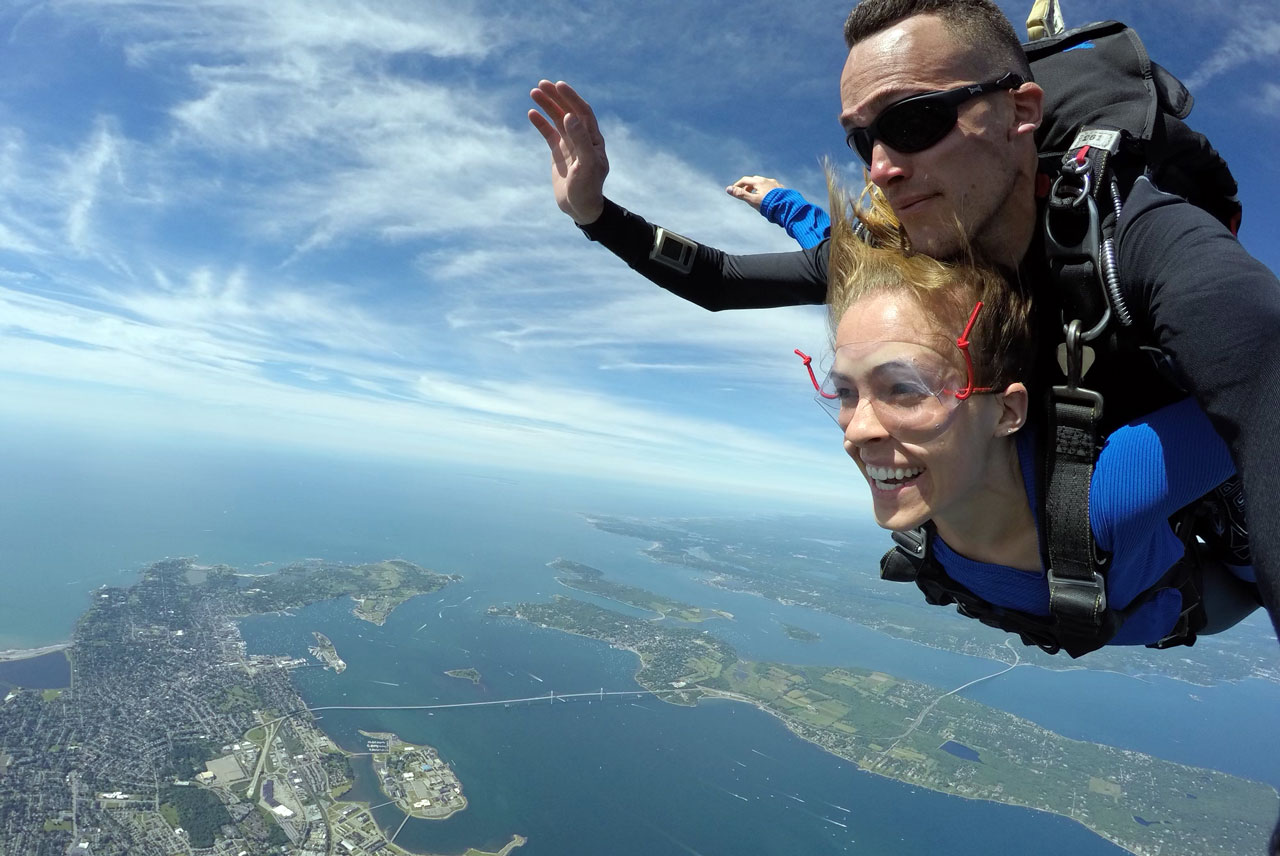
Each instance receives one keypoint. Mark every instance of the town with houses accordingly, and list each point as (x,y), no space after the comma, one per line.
(171,739)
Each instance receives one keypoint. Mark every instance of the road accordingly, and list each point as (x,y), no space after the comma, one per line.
(1017,661)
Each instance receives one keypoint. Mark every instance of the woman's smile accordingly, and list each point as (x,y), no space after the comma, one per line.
(892,478)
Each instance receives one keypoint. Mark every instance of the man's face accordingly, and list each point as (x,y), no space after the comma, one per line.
(964,181)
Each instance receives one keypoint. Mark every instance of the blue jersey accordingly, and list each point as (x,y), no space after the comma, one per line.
(803,220)
(1147,470)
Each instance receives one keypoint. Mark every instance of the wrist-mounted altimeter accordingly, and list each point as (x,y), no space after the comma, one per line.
(674,251)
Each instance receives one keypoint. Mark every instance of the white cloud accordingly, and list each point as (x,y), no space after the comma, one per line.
(1254,36)
(1268,101)
(86,170)
(339,234)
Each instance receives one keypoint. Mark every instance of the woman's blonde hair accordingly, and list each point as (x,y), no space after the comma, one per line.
(947,290)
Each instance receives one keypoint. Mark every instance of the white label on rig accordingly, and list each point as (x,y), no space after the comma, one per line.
(1097,138)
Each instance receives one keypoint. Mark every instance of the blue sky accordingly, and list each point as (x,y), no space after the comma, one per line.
(329,225)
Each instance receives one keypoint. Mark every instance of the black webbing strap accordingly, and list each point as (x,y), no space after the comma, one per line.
(1077,589)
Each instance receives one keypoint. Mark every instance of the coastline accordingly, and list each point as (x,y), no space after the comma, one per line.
(31,653)
(803,732)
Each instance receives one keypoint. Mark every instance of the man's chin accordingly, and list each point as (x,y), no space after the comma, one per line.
(934,230)
(938,243)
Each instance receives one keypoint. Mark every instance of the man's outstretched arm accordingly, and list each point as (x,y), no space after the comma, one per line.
(708,277)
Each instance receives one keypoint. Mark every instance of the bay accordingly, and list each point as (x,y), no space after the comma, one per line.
(623,776)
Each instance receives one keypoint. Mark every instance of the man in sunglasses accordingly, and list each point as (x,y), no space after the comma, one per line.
(938,101)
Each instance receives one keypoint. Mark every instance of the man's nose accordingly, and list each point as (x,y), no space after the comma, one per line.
(887,165)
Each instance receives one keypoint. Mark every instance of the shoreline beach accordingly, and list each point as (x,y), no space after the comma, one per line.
(30,653)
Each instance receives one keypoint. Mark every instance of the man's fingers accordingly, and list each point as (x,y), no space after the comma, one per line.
(576,104)
(546,90)
(546,129)
(576,132)
(559,158)
(549,104)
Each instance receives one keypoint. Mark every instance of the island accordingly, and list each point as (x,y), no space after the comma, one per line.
(931,738)
(324,651)
(465,674)
(415,778)
(172,737)
(799,633)
(591,580)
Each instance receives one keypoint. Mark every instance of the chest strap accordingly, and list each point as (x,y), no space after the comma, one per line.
(912,560)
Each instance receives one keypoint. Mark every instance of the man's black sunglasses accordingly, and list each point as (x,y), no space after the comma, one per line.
(920,121)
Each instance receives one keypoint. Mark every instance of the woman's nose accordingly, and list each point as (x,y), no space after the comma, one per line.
(861,424)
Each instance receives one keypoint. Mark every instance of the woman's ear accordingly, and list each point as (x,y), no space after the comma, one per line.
(1014,402)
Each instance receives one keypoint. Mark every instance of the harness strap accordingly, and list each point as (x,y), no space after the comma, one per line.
(1077,586)
(1074,245)
(912,560)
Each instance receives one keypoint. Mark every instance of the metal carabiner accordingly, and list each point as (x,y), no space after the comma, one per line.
(1059,200)
(1085,249)
(1075,354)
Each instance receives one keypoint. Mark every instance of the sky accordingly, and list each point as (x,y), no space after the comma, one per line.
(329,225)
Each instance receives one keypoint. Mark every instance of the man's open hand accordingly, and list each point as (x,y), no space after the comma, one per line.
(579,164)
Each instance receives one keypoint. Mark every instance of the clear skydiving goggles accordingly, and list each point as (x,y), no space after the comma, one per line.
(913,390)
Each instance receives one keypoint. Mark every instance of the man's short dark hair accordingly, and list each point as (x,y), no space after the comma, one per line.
(978,24)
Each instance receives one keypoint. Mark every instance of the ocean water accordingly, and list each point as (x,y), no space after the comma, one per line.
(624,777)
(615,776)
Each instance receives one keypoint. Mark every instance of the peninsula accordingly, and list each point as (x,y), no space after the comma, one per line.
(585,578)
(952,745)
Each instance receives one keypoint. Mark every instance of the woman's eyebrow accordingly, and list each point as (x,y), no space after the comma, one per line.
(892,365)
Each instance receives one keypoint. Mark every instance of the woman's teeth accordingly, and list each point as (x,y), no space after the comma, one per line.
(887,478)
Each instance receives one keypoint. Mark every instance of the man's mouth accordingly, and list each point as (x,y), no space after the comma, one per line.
(911,202)
(889,478)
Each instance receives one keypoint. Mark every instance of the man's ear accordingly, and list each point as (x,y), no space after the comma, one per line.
(1014,402)
(1028,108)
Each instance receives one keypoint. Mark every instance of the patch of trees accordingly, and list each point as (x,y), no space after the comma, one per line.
(200,813)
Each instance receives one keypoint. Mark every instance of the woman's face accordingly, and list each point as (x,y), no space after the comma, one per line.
(924,452)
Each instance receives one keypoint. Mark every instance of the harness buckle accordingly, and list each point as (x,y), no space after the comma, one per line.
(1081,396)
(914,541)
(1095,586)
